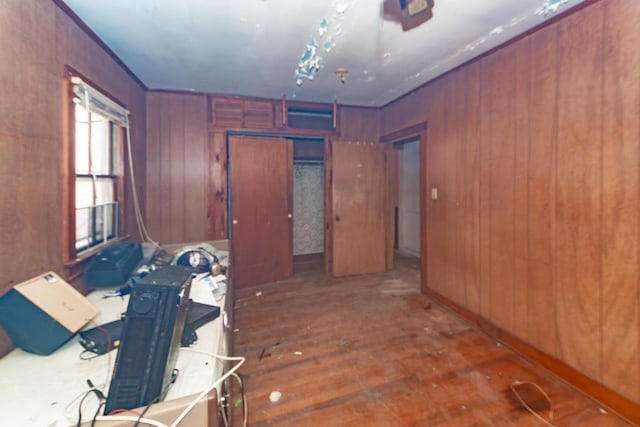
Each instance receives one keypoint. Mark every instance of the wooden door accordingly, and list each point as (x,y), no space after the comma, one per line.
(359,215)
(261,183)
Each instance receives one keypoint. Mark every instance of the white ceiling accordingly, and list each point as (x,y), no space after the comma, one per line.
(253,47)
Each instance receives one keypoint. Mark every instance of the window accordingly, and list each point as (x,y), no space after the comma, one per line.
(96,179)
(95,190)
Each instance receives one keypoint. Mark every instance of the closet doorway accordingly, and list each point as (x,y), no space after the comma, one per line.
(308,204)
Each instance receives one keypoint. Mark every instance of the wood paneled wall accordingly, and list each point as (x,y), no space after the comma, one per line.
(534,151)
(177,167)
(186,191)
(37,40)
(359,124)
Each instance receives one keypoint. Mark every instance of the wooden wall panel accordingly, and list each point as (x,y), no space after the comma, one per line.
(471,192)
(455,185)
(552,120)
(37,40)
(621,199)
(541,330)
(502,232)
(359,124)
(259,114)
(173,170)
(521,141)
(178,183)
(217,199)
(486,149)
(579,191)
(436,216)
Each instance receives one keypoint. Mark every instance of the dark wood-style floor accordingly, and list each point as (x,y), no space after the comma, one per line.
(373,351)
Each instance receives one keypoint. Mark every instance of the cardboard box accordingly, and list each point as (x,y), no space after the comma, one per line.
(43,313)
(203,414)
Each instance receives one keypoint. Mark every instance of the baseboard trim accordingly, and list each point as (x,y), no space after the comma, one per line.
(616,402)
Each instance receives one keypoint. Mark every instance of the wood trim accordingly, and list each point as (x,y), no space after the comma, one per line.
(68,165)
(276,132)
(424,200)
(616,402)
(527,33)
(289,145)
(389,211)
(335,114)
(405,133)
(328,206)
(93,36)
(283,111)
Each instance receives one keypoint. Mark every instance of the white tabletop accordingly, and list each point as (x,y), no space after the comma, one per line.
(38,390)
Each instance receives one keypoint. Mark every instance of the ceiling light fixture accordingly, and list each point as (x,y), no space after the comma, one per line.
(409,13)
(342,73)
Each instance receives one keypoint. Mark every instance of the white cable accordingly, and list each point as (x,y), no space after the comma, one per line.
(182,415)
(195,401)
(73,417)
(130,418)
(134,192)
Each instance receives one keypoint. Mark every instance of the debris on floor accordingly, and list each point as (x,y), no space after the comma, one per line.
(275,396)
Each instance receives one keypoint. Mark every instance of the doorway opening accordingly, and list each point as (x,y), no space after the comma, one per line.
(406,199)
(308,205)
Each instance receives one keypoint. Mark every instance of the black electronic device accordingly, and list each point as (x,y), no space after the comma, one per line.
(113,265)
(151,335)
(96,340)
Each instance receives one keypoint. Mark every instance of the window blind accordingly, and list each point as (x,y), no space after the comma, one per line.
(96,102)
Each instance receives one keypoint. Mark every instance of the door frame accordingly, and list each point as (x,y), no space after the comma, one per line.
(216,203)
(411,133)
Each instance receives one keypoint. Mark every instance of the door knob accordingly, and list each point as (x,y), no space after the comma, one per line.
(289,216)
(235,221)
(337,218)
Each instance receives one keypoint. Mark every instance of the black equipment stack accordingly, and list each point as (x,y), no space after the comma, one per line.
(151,335)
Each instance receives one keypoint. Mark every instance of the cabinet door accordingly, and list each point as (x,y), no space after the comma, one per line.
(261,184)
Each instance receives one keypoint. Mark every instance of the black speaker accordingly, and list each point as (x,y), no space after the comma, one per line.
(151,335)
(113,265)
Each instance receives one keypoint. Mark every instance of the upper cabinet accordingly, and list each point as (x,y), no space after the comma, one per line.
(226,112)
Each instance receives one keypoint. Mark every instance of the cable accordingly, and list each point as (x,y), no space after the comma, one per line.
(245,408)
(80,407)
(109,348)
(95,415)
(528,408)
(195,401)
(174,375)
(72,417)
(134,192)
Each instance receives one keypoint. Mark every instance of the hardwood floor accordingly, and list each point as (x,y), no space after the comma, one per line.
(373,351)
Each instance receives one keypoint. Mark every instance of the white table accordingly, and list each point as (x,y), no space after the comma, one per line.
(37,390)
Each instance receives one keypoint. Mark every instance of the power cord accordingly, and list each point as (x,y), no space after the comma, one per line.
(174,375)
(245,407)
(183,414)
(98,393)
